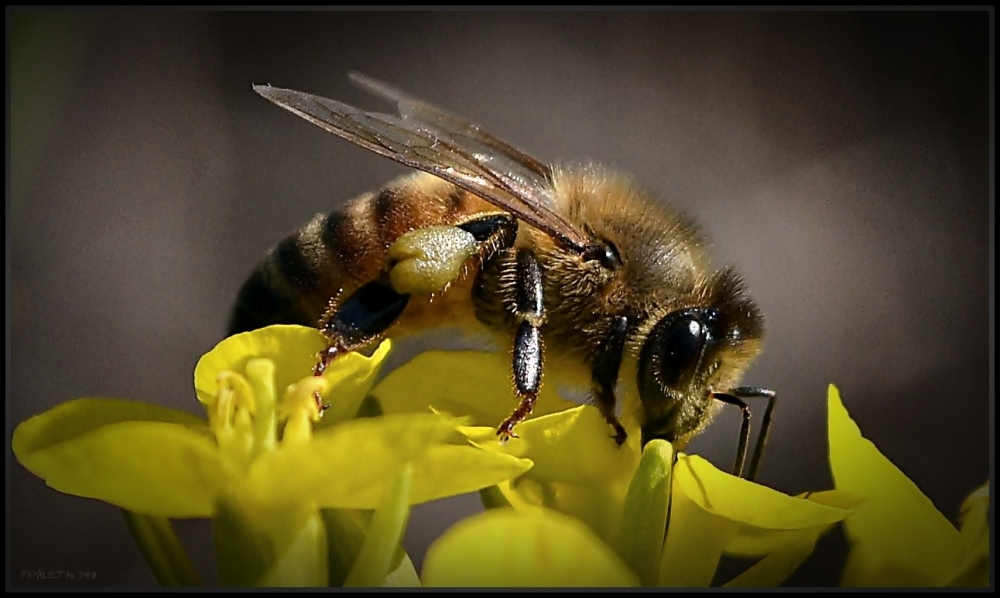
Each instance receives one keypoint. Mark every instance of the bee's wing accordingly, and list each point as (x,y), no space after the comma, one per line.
(447,147)
(410,108)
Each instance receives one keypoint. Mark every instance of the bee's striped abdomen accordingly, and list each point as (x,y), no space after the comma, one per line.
(336,253)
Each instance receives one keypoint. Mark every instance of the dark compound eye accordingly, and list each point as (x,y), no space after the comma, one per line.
(678,344)
(672,353)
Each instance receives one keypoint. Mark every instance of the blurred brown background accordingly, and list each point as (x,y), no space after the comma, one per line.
(841,159)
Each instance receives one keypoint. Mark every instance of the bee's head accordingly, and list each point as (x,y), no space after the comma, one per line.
(689,353)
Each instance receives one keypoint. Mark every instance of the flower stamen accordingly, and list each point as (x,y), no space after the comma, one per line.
(301,409)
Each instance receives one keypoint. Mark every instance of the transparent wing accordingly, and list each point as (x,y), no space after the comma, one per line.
(430,140)
(465,132)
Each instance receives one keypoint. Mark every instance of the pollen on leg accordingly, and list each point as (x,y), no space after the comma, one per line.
(429,259)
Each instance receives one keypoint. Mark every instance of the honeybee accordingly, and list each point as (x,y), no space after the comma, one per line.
(577,269)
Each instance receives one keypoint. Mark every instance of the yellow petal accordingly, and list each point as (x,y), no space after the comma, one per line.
(694,542)
(782,550)
(578,468)
(501,548)
(403,576)
(449,470)
(597,505)
(346,466)
(713,511)
(975,518)
(80,416)
(751,541)
(571,446)
(742,501)
(898,537)
(469,383)
(772,570)
(151,468)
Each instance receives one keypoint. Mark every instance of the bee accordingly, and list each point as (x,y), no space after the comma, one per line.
(579,270)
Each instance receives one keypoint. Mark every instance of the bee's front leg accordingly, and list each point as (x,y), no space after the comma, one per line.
(604,375)
(530,310)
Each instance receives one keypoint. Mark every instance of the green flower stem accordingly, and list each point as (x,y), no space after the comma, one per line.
(493,498)
(345,533)
(385,532)
(644,518)
(302,563)
(163,551)
(242,555)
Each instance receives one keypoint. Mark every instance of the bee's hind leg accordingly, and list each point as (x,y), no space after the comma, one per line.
(421,262)
(360,320)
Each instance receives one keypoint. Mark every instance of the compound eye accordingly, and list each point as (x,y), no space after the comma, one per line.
(680,344)
(674,349)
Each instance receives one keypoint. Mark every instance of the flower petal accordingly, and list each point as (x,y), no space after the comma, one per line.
(694,542)
(152,468)
(571,446)
(471,383)
(751,541)
(293,350)
(403,576)
(346,466)
(578,469)
(899,538)
(450,470)
(597,505)
(711,510)
(745,502)
(975,518)
(772,570)
(71,419)
(501,548)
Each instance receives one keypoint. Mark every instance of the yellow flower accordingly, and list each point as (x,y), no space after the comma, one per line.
(296,499)
(898,537)
(590,501)
(256,467)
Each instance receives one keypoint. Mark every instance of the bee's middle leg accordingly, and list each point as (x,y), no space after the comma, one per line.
(530,310)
